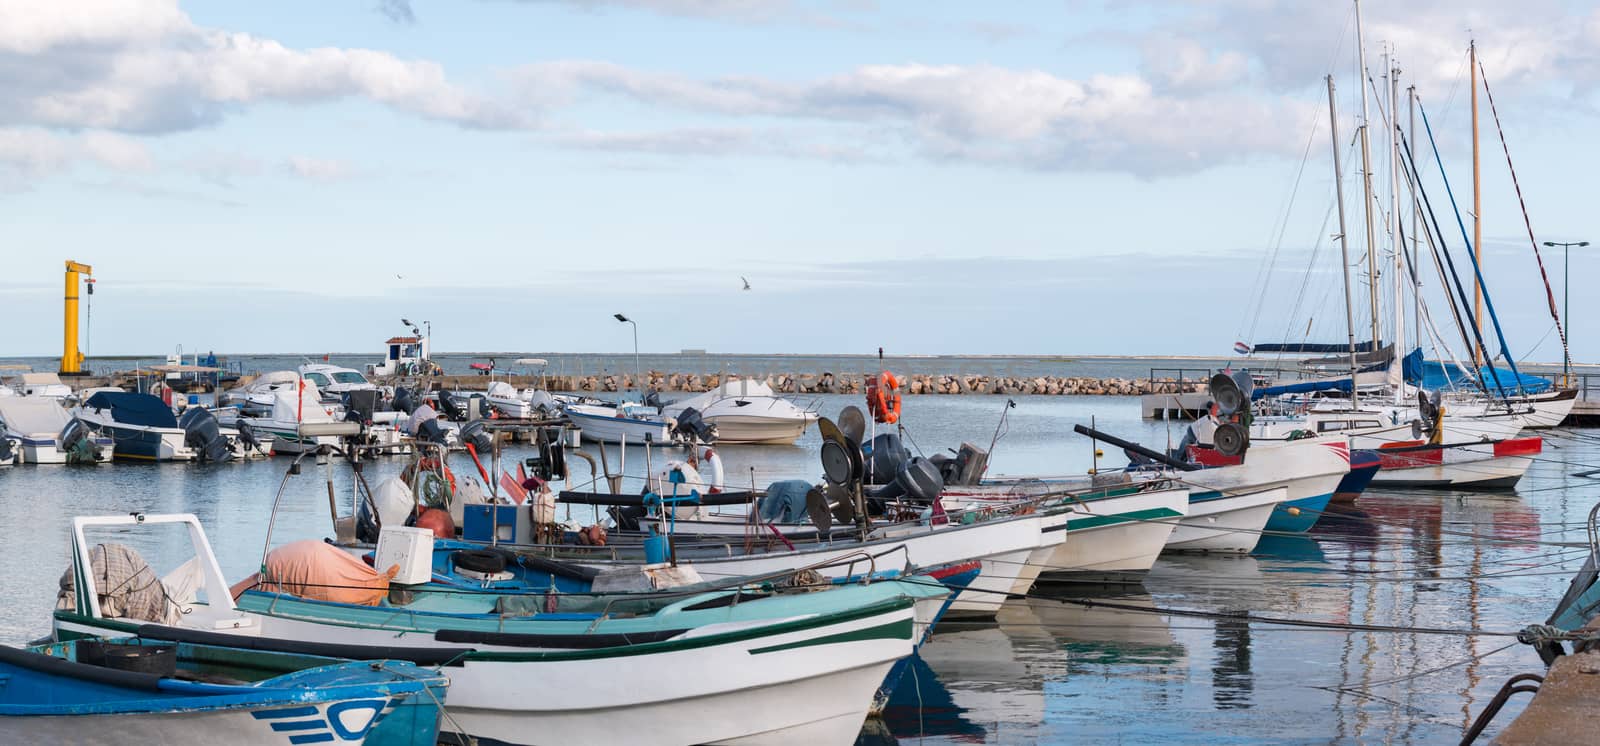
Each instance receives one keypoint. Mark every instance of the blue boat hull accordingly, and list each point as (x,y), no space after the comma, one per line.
(1298,516)
(1364,465)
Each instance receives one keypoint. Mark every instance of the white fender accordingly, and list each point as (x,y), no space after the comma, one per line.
(710,457)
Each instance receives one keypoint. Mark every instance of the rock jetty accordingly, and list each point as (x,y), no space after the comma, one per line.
(848,383)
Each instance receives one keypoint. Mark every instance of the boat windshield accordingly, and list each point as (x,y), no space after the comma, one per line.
(348,376)
(317,378)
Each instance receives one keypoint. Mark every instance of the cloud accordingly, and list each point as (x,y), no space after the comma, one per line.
(398,11)
(143,67)
(318,169)
(971,113)
(30,153)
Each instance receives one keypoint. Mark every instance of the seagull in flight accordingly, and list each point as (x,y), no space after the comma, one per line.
(746,282)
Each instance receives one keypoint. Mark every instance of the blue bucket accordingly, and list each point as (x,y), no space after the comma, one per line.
(657,550)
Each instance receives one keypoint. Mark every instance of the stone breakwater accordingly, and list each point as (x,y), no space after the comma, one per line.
(846,383)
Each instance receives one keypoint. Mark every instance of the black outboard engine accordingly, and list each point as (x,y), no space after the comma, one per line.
(403,400)
(918,480)
(77,440)
(359,405)
(204,435)
(474,434)
(694,428)
(7,449)
(886,457)
(430,431)
(451,407)
(247,436)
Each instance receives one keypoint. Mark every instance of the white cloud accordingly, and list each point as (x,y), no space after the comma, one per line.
(32,152)
(143,66)
(982,113)
(318,169)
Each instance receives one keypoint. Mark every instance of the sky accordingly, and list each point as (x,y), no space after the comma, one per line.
(1065,177)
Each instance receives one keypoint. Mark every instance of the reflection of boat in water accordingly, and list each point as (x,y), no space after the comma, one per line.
(1103,635)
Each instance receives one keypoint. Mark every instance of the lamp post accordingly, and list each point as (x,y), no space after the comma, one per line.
(636,372)
(1566,286)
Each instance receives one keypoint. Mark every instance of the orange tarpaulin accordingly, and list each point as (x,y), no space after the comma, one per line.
(321,572)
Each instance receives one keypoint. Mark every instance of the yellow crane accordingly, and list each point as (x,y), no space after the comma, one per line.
(71,358)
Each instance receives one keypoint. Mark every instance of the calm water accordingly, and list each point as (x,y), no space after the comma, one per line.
(1050,670)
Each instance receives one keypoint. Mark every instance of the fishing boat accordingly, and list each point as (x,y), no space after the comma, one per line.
(1228,523)
(747,411)
(46,433)
(140,426)
(43,385)
(299,422)
(806,673)
(135,690)
(1491,465)
(255,399)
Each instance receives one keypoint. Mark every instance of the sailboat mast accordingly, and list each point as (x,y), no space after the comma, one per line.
(1344,242)
(1396,372)
(1416,245)
(1477,202)
(1366,178)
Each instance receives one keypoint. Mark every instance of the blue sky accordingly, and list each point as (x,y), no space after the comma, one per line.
(1033,177)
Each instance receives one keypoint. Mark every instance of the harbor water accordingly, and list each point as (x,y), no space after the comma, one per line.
(1418,590)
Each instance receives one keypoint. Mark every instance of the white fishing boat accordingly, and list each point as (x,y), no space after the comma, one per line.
(747,411)
(1111,535)
(46,433)
(1496,464)
(628,422)
(1226,522)
(802,677)
(140,426)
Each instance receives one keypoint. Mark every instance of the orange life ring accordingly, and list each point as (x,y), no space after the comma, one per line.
(883,398)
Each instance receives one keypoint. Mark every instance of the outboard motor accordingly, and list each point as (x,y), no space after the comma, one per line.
(451,407)
(204,435)
(247,436)
(403,400)
(917,480)
(694,428)
(884,458)
(430,431)
(359,405)
(77,440)
(7,450)
(474,434)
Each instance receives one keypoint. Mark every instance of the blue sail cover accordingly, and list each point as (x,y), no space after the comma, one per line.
(134,409)
(1433,375)
(1304,387)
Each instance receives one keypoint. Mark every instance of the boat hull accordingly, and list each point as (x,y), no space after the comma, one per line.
(621,429)
(1497,465)
(1226,523)
(738,429)
(148,444)
(244,726)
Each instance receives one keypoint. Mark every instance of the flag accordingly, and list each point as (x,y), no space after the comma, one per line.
(1241,348)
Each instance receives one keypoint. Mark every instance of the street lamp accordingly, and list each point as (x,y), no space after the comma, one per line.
(636,372)
(1566,284)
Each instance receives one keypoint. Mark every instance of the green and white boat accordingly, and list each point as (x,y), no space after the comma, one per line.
(728,667)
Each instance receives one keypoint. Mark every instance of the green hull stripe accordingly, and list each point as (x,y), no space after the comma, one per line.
(900,630)
(1153,514)
(885,606)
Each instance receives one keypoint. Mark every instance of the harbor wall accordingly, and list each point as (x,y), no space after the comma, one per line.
(843,383)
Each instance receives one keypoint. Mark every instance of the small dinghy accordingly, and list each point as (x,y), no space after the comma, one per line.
(133,690)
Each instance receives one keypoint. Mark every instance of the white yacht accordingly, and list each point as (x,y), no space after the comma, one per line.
(747,411)
(46,433)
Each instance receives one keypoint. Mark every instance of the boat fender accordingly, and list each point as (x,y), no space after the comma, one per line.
(439,522)
(593,536)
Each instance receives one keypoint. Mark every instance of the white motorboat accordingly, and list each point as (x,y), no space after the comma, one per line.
(297,421)
(255,399)
(141,426)
(526,404)
(1532,411)
(47,385)
(628,422)
(747,411)
(46,433)
(333,382)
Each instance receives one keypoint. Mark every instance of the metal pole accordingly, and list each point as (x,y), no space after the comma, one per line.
(1344,243)
(1566,308)
(1366,179)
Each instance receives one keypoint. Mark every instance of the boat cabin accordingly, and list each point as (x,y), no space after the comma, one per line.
(405,356)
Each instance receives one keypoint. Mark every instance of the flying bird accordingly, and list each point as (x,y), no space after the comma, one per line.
(746,282)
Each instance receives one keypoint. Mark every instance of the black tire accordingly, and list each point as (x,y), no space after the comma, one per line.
(479,560)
